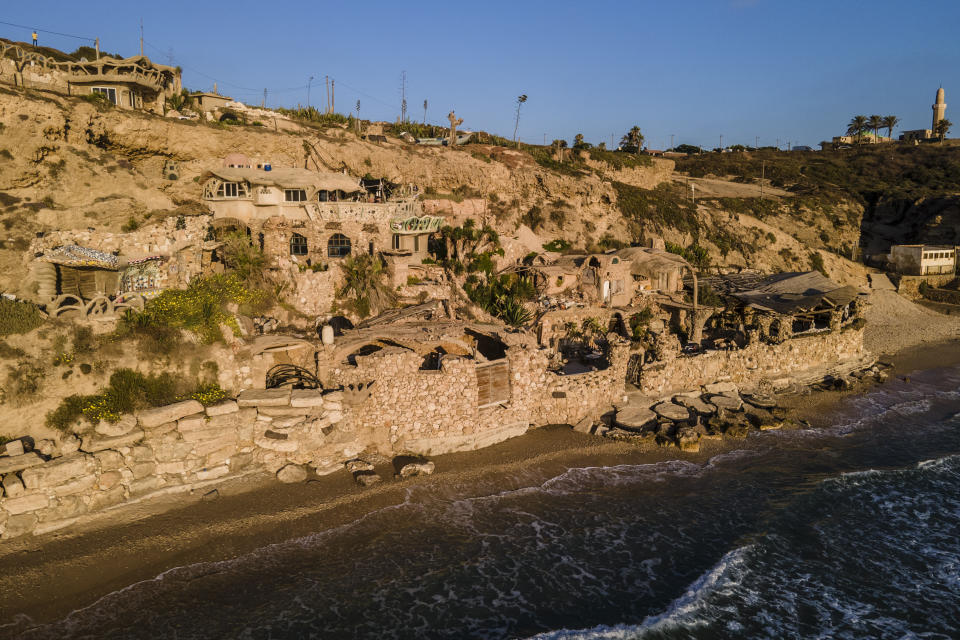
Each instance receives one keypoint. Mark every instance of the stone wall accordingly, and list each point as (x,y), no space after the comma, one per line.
(34,76)
(909,286)
(176,448)
(754,363)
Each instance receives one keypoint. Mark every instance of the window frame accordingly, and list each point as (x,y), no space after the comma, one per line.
(109,92)
(340,249)
(300,193)
(299,245)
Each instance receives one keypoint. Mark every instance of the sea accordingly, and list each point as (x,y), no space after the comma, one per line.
(850,529)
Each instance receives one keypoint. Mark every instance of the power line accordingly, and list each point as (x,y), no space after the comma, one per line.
(56,33)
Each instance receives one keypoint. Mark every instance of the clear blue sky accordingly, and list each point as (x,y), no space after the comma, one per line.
(795,70)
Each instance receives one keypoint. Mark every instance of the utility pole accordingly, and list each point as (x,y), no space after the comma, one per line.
(671,141)
(403,96)
(327,80)
(763,172)
(424,112)
(756,142)
(309,81)
(96,44)
(264,103)
(141,36)
(778,144)
(333,95)
(721,144)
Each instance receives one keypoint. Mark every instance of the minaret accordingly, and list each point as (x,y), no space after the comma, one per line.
(939,107)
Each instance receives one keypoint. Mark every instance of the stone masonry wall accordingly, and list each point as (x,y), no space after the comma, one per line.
(755,362)
(176,448)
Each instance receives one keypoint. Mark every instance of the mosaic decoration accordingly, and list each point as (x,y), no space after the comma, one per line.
(415,224)
(72,255)
(142,276)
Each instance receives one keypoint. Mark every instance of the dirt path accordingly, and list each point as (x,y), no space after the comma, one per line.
(716,188)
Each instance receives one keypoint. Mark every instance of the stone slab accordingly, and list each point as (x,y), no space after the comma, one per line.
(696,404)
(726,402)
(94,443)
(10,464)
(124,425)
(284,412)
(671,411)
(58,471)
(634,418)
(264,398)
(720,387)
(25,504)
(150,418)
(193,422)
(306,398)
(13,448)
(223,408)
(761,400)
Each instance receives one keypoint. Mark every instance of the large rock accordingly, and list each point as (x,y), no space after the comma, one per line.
(25,504)
(193,422)
(223,408)
(306,398)
(20,525)
(69,444)
(9,464)
(12,486)
(58,471)
(13,448)
(354,466)
(726,402)
(292,473)
(761,400)
(93,443)
(688,440)
(695,404)
(417,469)
(671,411)
(264,398)
(124,425)
(634,418)
(720,387)
(151,418)
(367,478)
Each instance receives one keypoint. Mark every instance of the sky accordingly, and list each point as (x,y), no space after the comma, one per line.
(770,70)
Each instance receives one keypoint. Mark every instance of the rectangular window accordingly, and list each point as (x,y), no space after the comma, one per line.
(416,244)
(227,190)
(396,242)
(294,195)
(110,94)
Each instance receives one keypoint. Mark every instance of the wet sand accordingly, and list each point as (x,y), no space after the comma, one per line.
(47,577)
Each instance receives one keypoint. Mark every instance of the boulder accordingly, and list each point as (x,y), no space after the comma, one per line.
(353,466)
(13,448)
(69,444)
(58,471)
(264,398)
(634,418)
(12,486)
(306,398)
(292,473)
(695,404)
(27,503)
(9,464)
(417,469)
(151,418)
(726,402)
(46,447)
(688,440)
(223,408)
(585,425)
(91,444)
(761,400)
(671,411)
(720,387)
(124,425)
(20,525)
(366,478)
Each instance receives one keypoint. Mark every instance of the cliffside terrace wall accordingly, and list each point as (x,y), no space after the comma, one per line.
(756,362)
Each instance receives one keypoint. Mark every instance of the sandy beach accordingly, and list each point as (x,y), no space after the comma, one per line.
(47,577)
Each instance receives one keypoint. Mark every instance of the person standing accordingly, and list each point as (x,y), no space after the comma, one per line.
(34,38)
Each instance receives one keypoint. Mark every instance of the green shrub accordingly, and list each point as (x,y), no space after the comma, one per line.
(502,296)
(816,262)
(18,317)
(24,379)
(199,308)
(129,391)
(664,206)
(557,245)
(130,225)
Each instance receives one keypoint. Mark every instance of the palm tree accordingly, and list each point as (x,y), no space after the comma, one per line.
(890,122)
(856,127)
(364,282)
(875,122)
(943,127)
(633,139)
(520,100)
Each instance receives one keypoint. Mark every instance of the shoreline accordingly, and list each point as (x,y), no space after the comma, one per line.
(50,576)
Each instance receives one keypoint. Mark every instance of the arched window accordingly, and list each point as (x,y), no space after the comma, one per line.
(338,246)
(298,245)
